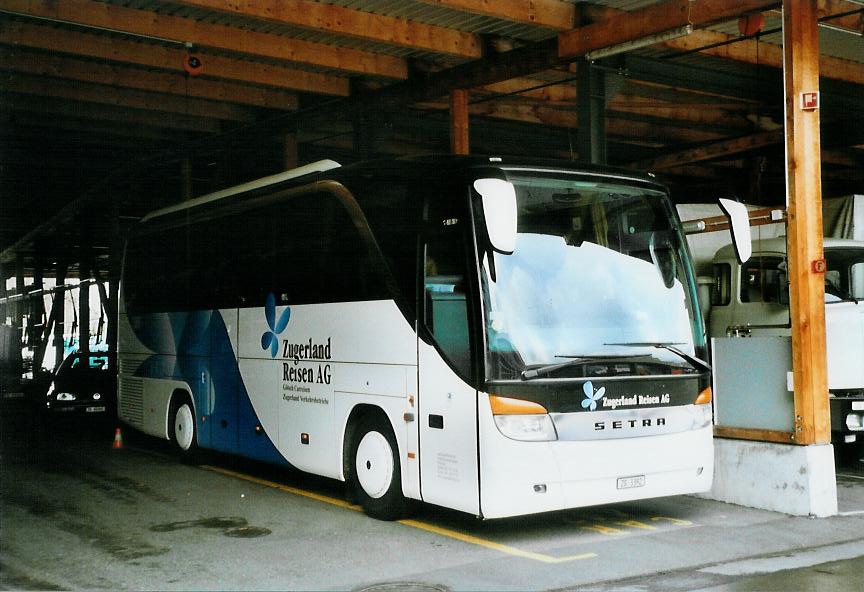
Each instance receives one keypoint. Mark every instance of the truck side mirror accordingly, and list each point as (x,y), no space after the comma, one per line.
(739,226)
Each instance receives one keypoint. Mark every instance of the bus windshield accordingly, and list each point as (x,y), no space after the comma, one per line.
(599,284)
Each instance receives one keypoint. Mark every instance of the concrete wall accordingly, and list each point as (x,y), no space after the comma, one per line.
(798,480)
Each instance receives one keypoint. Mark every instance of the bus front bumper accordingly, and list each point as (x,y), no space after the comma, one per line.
(529,477)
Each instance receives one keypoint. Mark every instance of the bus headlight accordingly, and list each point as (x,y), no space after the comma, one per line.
(531,428)
(522,420)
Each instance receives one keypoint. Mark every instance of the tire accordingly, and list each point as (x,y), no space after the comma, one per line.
(375,476)
(182,429)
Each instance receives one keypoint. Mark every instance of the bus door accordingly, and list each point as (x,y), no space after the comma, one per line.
(447,404)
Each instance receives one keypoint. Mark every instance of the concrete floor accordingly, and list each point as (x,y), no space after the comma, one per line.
(78,515)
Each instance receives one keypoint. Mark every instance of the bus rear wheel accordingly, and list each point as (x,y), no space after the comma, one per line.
(182,430)
(375,475)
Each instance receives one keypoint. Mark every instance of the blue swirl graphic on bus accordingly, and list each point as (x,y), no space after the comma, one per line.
(592,396)
(270,339)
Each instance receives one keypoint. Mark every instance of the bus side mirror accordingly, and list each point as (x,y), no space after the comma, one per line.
(498,198)
(739,226)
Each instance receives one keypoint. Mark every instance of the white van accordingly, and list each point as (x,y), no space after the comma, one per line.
(753,299)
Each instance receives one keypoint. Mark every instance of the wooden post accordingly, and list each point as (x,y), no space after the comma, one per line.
(804,202)
(36,312)
(20,302)
(186,182)
(60,316)
(115,257)
(289,155)
(459,122)
(84,306)
(4,306)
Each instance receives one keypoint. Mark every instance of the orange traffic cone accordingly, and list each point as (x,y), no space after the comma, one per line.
(118,440)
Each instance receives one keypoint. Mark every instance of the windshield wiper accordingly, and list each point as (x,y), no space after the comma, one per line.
(669,346)
(576,361)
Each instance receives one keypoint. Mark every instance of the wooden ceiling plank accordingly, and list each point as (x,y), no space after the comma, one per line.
(353,23)
(554,14)
(181,30)
(125,50)
(107,95)
(173,84)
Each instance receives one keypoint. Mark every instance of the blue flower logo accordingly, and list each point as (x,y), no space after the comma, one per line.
(592,396)
(270,339)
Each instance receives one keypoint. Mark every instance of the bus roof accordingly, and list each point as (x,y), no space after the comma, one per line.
(308,169)
(405,166)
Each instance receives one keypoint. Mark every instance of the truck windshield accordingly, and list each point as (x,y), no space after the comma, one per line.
(599,276)
(844,279)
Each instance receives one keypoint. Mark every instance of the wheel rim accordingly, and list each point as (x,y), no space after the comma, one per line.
(374,464)
(184,427)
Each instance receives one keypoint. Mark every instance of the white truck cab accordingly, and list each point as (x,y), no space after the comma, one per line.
(752,299)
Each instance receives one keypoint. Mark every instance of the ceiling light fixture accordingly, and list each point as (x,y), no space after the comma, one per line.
(612,50)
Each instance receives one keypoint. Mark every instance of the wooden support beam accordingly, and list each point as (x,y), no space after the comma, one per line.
(459,143)
(554,14)
(169,28)
(761,53)
(354,23)
(82,131)
(853,23)
(755,434)
(80,111)
(711,151)
(730,47)
(852,20)
(652,20)
(565,95)
(136,78)
(804,228)
(108,95)
(622,129)
(167,57)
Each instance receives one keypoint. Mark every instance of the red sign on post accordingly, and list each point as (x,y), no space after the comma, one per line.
(810,100)
(818,266)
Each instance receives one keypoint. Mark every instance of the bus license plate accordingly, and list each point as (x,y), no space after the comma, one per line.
(102,408)
(631,482)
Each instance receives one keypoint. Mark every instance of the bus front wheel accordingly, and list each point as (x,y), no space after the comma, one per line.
(183,431)
(375,471)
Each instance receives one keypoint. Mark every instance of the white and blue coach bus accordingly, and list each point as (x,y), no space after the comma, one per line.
(498,337)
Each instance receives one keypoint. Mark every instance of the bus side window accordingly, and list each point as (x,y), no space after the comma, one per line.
(445,303)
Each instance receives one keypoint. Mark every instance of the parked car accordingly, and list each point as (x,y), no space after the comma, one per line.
(83,384)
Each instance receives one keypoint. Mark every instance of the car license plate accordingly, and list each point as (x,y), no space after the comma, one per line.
(631,482)
(100,409)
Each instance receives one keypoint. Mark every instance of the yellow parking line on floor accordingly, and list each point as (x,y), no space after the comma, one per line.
(445,532)
(467,538)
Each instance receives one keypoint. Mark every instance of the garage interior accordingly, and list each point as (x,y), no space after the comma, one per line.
(111,109)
